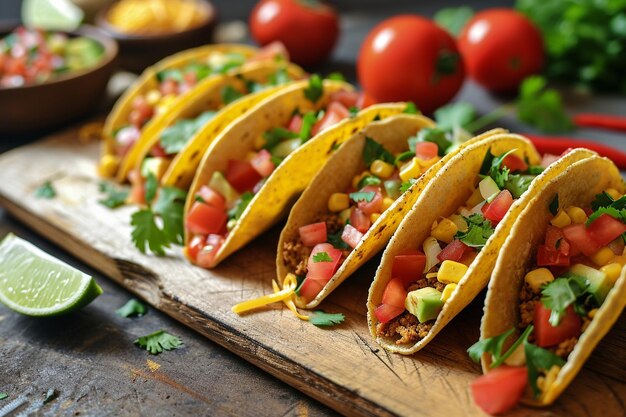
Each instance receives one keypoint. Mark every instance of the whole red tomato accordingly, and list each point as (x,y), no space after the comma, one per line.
(308,28)
(409,58)
(501,47)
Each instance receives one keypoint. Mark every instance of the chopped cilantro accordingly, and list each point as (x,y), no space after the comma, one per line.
(559,294)
(410,108)
(602,200)
(518,184)
(279,77)
(158,342)
(354,110)
(46,190)
(175,137)
(240,206)
(479,230)
(321,318)
(229,94)
(404,156)
(539,359)
(494,346)
(554,205)
(170,74)
(336,76)
(360,196)
(454,115)
(277,160)
(336,241)
(315,89)
(374,150)
(322,257)
(541,107)
(498,172)
(368,180)
(276,135)
(407,184)
(535,170)
(114,197)
(133,307)
(152,184)
(308,120)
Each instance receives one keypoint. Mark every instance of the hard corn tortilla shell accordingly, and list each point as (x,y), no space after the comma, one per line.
(577,185)
(444,195)
(147,81)
(207,96)
(337,175)
(292,176)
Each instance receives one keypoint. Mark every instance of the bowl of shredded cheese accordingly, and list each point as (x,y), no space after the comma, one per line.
(149,30)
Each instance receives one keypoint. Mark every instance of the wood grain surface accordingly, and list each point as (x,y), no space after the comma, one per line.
(341,367)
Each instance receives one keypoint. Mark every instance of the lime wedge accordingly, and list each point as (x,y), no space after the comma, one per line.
(51,14)
(37,284)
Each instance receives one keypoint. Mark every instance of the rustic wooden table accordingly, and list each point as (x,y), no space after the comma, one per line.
(89,359)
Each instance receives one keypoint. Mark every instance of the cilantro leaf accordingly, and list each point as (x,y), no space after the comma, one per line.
(158,342)
(541,107)
(559,294)
(611,211)
(146,233)
(46,190)
(322,257)
(115,197)
(276,135)
(374,150)
(170,74)
(152,184)
(368,180)
(539,359)
(336,241)
(410,108)
(169,206)
(229,94)
(518,184)
(359,196)
(336,76)
(299,281)
(321,318)
(354,110)
(554,205)
(602,200)
(3,395)
(407,184)
(494,346)
(279,77)
(454,115)
(308,120)
(236,212)
(404,156)
(499,173)
(434,135)
(479,230)
(132,308)
(175,137)
(314,91)
(453,19)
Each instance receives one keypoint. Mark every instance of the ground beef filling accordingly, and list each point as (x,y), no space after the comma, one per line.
(296,255)
(406,326)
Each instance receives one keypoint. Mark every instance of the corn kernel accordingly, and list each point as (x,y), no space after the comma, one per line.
(344,216)
(592,313)
(259,142)
(620,260)
(451,272)
(475,198)
(445,230)
(537,277)
(108,165)
(561,219)
(165,104)
(615,195)
(387,202)
(447,292)
(576,214)
(374,217)
(603,256)
(411,170)
(612,271)
(357,178)
(382,169)
(425,164)
(431,275)
(338,202)
(153,97)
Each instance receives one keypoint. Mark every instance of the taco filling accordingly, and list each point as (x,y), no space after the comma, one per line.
(174,138)
(322,246)
(172,83)
(221,202)
(423,279)
(572,272)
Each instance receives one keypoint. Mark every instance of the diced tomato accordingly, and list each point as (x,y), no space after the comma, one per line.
(360,220)
(547,335)
(500,389)
(605,229)
(579,239)
(426,150)
(262,163)
(169,86)
(497,209)
(408,265)
(547,256)
(385,312)
(375,205)
(310,288)
(335,112)
(549,159)
(312,234)
(206,256)
(205,219)
(270,51)
(351,236)
(554,237)
(347,98)
(453,251)
(514,163)
(212,197)
(195,245)
(295,124)
(158,151)
(191,78)
(323,271)
(241,175)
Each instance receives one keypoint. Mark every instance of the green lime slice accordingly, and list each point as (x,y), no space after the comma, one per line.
(51,14)
(37,284)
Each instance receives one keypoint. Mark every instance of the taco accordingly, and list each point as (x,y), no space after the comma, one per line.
(256,168)
(556,290)
(444,250)
(354,204)
(173,150)
(161,88)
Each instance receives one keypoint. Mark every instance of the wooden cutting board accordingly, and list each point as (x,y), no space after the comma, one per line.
(341,367)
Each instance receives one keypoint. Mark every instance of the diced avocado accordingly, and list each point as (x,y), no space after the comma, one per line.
(599,283)
(220,184)
(392,187)
(157,166)
(425,303)
(284,148)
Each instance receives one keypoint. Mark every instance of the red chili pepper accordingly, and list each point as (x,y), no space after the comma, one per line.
(556,145)
(603,121)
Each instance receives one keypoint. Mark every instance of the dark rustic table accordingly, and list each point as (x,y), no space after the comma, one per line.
(88,357)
